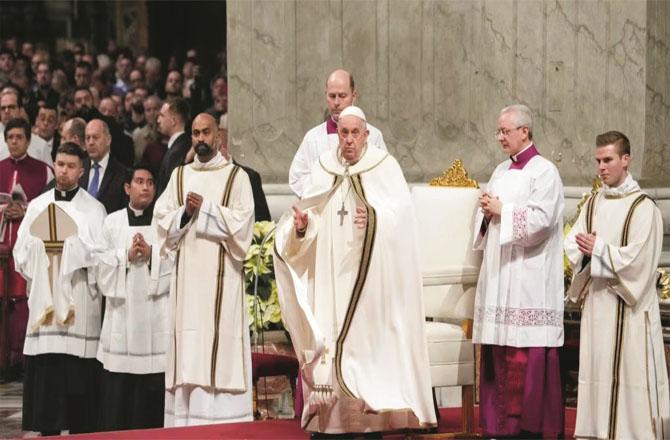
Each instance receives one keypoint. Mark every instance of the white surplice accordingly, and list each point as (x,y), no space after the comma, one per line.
(351,299)
(64,317)
(134,335)
(519,299)
(623,378)
(314,144)
(209,353)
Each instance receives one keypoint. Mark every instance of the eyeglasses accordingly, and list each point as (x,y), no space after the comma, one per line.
(5,108)
(504,132)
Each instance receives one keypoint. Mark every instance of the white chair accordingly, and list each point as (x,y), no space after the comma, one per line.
(450,269)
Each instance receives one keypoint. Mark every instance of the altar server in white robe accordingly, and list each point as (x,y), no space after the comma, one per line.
(340,93)
(518,316)
(61,382)
(134,278)
(614,249)
(350,291)
(206,215)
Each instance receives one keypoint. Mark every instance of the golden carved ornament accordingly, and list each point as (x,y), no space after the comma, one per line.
(455,176)
(597,184)
(663,283)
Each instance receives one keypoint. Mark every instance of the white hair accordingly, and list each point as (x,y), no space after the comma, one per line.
(522,116)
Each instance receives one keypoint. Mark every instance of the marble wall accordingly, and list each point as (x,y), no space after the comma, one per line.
(433,74)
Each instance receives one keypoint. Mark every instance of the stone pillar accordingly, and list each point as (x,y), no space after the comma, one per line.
(433,74)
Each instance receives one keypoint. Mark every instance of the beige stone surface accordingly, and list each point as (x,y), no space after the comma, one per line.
(433,74)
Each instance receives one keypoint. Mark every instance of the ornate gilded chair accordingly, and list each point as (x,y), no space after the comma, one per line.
(445,212)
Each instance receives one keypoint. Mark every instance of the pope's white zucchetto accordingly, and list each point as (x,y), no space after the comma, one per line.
(352,110)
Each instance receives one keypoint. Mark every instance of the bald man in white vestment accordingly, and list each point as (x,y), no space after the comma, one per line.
(350,290)
(206,215)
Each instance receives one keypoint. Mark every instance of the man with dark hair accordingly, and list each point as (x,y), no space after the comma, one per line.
(124,64)
(616,138)
(10,108)
(219,91)
(61,383)
(41,93)
(136,78)
(340,93)
(614,249)
(172,120)
(83,73)
(135,280)
(23,177)
(7,60)
(103,175)
(46,126)
(173,84)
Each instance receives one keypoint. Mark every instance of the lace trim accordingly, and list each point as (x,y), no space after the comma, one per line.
(519,317)
(519,224)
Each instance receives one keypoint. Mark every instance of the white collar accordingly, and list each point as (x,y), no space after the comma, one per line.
(137,212)
(218,161)
(628,186)
(103,162)
(174,138)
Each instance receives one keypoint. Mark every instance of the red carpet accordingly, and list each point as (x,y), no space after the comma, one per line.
(279,429)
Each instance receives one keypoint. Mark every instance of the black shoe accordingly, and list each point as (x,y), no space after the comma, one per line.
(323,435)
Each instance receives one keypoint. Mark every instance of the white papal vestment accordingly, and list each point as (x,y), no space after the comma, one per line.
(351,299)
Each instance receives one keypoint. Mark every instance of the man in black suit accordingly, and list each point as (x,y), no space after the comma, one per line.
(103,176)
(172,120)
(122,145)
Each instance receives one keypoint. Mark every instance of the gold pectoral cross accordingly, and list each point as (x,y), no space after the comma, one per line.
(342,212)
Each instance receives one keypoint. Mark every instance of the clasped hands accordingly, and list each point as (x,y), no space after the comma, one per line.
(586,242)
(15,211)
(140,250)
(193,203)
(300,219)
(491,206)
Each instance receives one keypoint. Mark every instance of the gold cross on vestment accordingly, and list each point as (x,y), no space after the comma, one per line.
(324,356)
(342,212)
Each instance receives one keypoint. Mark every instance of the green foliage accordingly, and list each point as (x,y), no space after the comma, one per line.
(264,312)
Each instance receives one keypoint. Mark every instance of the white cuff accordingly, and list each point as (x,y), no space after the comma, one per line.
(600,264)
